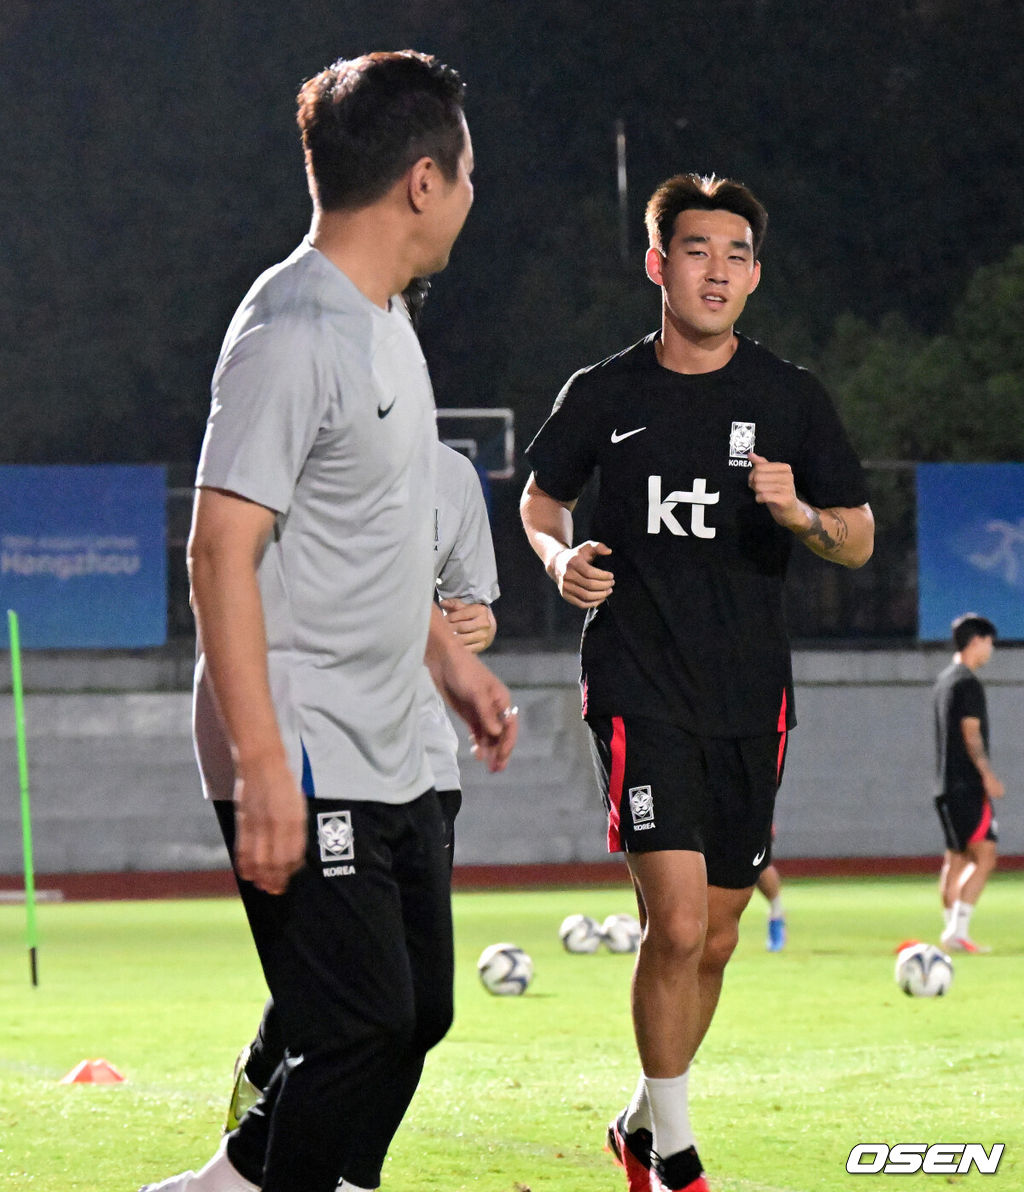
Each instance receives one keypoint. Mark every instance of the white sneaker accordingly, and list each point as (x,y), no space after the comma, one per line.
(175,1183)
(961,943)
(217,1176)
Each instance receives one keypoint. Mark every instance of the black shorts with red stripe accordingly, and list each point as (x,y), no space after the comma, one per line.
(665,789)
(967,818)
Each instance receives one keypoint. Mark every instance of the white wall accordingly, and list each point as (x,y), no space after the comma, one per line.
(114,787)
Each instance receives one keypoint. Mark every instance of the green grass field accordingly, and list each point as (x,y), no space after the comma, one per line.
(812,1051)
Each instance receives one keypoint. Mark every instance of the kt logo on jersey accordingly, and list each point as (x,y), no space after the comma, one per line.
(660,511)
(337,842)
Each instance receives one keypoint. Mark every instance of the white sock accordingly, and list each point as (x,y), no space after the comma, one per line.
(670,1113)
(947,918)
(345,1186)
(775,910)
(638,1113)
(219,1176)
(963,912)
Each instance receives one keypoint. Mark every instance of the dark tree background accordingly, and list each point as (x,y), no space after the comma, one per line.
(150,169)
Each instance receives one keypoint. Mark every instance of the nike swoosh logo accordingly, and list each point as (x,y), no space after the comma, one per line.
(760,857)
(384,411)
(617,438)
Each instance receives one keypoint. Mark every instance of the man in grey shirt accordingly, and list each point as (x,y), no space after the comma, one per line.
(466,585)
(310,559)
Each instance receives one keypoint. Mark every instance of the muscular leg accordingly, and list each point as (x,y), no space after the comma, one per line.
(725,907)
(980,861)
(666,999)
(950,876)
(977,862)
(769,884)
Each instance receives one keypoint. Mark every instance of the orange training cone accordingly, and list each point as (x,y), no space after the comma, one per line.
(93,1072)
(906,944)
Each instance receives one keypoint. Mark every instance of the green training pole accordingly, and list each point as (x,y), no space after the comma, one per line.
(26,814)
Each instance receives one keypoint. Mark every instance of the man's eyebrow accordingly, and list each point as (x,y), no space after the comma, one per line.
(740,244)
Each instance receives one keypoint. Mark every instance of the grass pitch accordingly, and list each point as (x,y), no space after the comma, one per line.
(812,1050)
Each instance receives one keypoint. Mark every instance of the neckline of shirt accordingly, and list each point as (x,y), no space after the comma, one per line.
(339,278)
(715,376)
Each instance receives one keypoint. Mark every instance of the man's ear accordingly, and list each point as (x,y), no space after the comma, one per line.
(422,182)
(653,264)
(755,277)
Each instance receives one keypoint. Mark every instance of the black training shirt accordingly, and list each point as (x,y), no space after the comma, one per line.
(694,631)
(958,694)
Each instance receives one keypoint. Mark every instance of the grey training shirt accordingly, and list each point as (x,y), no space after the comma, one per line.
(323,412)
(465,570)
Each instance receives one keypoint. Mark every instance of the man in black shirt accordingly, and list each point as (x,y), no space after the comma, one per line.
(712,455)
(965,783)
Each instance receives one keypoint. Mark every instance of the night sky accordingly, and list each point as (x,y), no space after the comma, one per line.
(151,169)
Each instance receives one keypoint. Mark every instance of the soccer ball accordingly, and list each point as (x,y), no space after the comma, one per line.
(922,970)
(621,933)
(580,933)
(505,969)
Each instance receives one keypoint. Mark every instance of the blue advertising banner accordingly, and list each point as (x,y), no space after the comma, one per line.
(970,546)
(83,555)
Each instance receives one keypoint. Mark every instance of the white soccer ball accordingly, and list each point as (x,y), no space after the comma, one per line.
(621,933)
(504,969)
(580,933)
(923,970)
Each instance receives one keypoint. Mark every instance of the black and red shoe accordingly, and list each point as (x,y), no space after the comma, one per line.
(681,1172)
(632,1152)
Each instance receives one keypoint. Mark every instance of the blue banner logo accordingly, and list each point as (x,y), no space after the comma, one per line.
(83,555)
(970,546)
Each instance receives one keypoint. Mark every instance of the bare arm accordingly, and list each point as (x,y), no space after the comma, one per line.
(548,525)
(970,728)
(226,543)
(473,624)
(478,696)
(844,535)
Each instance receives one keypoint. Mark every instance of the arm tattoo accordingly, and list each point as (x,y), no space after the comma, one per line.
(974,743)
(817,536)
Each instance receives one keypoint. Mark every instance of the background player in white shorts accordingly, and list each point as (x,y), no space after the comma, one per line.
(712,455)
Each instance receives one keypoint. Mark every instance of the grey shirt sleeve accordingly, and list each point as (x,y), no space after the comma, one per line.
(465,566)
(268,405)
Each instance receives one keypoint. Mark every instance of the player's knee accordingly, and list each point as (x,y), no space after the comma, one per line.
(719,946)
(675,939)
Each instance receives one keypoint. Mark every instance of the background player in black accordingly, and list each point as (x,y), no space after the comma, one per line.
(965,781)
(712,455)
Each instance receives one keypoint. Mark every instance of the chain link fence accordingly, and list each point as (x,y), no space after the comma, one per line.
(876,604)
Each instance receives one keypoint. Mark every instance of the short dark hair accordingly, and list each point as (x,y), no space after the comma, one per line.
(969,626)
(684,192)
(366,120)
